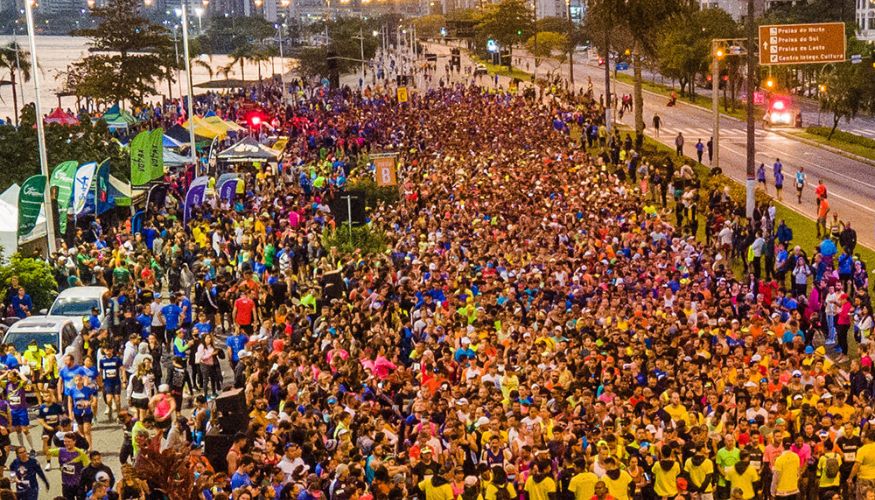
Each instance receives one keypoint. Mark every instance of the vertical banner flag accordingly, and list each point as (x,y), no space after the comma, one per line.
(402,95)
(226,187)
(63,177)
(195,196)
(156,153)
(30,202)
(82,186)
(101,188)
(140,159)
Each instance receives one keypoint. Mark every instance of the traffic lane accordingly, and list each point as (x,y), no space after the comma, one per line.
(850,183)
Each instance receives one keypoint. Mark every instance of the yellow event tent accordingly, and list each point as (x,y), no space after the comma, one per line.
(220,124)
(204,129)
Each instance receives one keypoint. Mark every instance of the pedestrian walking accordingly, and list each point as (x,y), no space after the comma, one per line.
(710,146)
(800,183)
(700,150)
(657,122)
(820,191)
(761,176)
(779,185)
(822,212)
(679,144)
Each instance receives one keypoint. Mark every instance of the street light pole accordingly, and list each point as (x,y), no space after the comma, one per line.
(715,102)
(40,132)
(282,65)
(190,86)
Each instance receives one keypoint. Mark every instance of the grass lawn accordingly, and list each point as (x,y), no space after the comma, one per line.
(804,231)
(862,150)
(494,69)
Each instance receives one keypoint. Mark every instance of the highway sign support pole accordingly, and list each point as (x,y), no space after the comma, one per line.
(751,131)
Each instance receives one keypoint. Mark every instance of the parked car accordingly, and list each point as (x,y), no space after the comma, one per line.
(58,331)
(77,302)
(480,69)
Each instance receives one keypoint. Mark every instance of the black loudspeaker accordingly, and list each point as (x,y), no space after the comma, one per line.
(216,446)
(339,207)
(332,67)
(333,285)
(231,411)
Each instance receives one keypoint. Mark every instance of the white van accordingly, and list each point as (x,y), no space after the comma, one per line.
(58,331)
(76,302)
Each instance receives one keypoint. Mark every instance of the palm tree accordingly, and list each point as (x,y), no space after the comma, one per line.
(15,59)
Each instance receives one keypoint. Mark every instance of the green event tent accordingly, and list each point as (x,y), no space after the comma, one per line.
(117,118)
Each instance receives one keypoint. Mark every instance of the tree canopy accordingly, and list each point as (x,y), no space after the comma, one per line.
(124,62)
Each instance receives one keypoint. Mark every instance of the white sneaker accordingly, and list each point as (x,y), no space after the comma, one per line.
(48,466)
(106,411)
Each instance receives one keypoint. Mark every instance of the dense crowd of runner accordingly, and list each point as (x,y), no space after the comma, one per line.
(544,323)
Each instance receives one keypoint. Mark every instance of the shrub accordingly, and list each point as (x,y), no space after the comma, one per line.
(368,239)
(374,193)
(34,275)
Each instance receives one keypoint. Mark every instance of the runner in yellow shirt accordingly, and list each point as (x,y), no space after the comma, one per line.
(582,484)
(742,476)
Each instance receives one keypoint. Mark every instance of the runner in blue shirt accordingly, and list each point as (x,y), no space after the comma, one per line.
(171,314)
(66,375)
(235,344)
(79,406)
(185,303)
(111,369)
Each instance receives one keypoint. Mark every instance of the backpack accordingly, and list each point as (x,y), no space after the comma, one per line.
(832,466)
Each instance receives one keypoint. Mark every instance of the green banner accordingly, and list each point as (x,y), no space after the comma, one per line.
(141,158)
(157,154)
(63,177)
(30,201)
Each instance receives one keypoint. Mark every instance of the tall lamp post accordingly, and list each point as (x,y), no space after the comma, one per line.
(182,12)
(40,131)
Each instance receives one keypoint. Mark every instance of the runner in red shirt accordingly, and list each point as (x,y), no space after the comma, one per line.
(245,313)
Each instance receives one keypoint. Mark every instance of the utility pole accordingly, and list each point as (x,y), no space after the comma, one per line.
(715,101)
(751,132)
(570,47)
(608,81)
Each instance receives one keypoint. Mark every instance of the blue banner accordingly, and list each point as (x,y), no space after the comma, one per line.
(226,187)
(195,196)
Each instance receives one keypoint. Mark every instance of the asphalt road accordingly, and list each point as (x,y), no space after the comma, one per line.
(850,183)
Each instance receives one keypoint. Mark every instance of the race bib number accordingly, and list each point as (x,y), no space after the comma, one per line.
(112,373)
(850,456)
(68,469)
(51,419)
(83,404)
(756,464)
(14,400)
